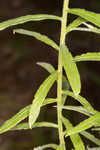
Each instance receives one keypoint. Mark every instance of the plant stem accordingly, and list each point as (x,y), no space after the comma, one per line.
(60,73)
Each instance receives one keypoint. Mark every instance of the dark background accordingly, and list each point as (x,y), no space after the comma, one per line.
(20,76)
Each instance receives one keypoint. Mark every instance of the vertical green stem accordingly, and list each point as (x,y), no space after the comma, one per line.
(60,73)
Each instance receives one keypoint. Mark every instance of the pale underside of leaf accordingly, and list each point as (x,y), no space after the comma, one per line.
(40,97)
(94,148)
(21,115)
(76,139)
(94,30)
(71,70)
(50,69)
(25,126)
(77,109)
(46,66)
(96,129)
(27,18)
(77,22)
(82,100)
(53,146)
(38,36)
(88,15)
(90,137)
(91,56)
(86,124)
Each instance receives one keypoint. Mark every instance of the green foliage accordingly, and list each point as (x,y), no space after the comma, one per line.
(67,63)
(25,126)
(96,148)
(90,137)
(88,15)
(40,97)
(77,109)
(82,100)
(53,146)
(88,57)
(27,18)
(47,66)
(76,140)
(77,22)
(38,36)
(21,115)
(86,124)
(71,69)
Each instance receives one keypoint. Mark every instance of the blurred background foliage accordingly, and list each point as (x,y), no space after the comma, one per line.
(20,76)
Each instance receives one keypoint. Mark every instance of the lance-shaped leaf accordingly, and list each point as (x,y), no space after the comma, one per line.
(77,109)
(88,15)
(49,101)
(25,126)
(21,115)
(82,100)
(27,18)
(94,30)
(77,22)
(93,56)
(90,137)
(50,69)
(40,97)
(71,70)
(94,148)
(52,146)
(76,139)
(46,66)
(38,36)
(96,129)
(86,124)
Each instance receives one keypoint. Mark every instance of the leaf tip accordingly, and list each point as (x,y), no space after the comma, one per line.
(66,135)
(14,31)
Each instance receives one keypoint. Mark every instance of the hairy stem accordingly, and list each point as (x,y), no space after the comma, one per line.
(60,73)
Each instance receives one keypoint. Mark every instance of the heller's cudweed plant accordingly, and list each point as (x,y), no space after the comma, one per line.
(66,60)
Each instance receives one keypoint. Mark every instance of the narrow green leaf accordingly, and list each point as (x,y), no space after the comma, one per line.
(21,115)
(94,30)
(25,126)
(78,109)
(86,124)
(77,22)
(71,70)
(90,137)
(76,139)
(47,66)
(38,36)
(40,97)
(88,15)
(27,18)
(50,69)
(82,100)
(53,146)
(95,148)
(49,101)
(96,129)
(93,56)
